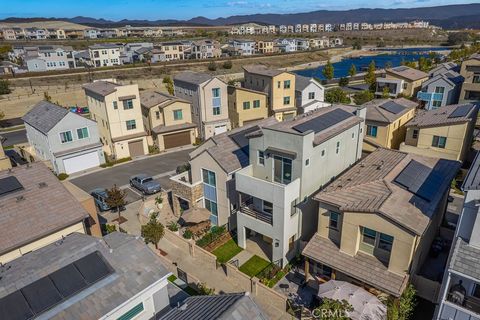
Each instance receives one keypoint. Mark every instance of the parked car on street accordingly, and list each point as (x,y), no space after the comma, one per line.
(145,184)
(100,197)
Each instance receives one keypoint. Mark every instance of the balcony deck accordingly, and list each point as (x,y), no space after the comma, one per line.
(248,208)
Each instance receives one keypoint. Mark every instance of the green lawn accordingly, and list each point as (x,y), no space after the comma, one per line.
(227,251)
(254,266)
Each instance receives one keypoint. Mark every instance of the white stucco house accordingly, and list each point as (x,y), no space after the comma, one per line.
(309,94)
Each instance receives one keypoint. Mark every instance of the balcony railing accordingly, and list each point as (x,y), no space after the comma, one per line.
(249,209)
(470,303)
(428,96)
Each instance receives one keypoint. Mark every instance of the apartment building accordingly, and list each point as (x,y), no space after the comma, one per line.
(385,122)
(470,70)
(377,221)
(288,162)
(168,120)
(117,111)
(264,46)
(246,106)
(309,94)
(279,85)
(443,88)
(70,142)
(105,55)
(48,57)
(446,132)
(243,47)
(209,98)
(205,49)
(459,296)
(401,80)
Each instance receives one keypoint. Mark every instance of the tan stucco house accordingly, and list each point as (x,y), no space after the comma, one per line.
(470,70)
(168,120)
(376,223)
(445,132)
(385,122)
(246,105)
(279,85)
(117,111)
(401,80)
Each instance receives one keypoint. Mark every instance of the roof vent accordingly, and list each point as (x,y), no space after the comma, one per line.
(183,307)
(20,198)
(42,185)
(379,167)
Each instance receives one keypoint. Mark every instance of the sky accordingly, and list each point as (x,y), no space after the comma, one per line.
(186,9)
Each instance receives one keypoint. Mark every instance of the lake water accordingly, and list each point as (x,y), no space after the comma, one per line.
(361,63)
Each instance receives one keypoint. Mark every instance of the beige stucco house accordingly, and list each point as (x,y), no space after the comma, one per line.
(245,105)
(117,111)
(385,122)
(470,70)
(168,120)
(445,132)
(4,160)
(279,85)
(401,80)
(376,223)
(264,46)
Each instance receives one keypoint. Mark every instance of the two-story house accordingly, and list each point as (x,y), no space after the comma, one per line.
(309,94)
(205,49)
(105,54)
(264,46)
(401,80)
(443,88)
(289,161)
(385,122)
(168,120)
(243,46)
(209,98)
(246,105)
(46,58)
(446,132)
(279,85)
(70,142)
(377,220)
(460,294)
(117,111)
(470,70)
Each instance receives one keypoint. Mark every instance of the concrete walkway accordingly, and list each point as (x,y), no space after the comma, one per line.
(242,257)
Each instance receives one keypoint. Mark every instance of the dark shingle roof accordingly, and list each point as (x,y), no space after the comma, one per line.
(44,116)
(465,259)
(441,116)
(302,82)
(101,87)
(192,77)
(234,306)
(149,99)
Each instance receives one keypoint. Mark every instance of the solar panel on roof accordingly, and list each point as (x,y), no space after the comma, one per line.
(68,280)
(15,307)
(323,121)
(9,184)
(401,68)
(461,111)
(92,267)
(41,295)
(392,107)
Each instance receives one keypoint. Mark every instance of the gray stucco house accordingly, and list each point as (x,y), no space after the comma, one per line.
(69,141)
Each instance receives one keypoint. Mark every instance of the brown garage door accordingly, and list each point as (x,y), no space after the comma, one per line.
(136,148)
(176,139)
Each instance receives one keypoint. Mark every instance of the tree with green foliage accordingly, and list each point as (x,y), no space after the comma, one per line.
(167,80)
(402,308)
(363,97)
(370,76)
(336,95)
(425,64)
(212,66)
(227,64)
(357,45)
(352,71)
(328,70)
(410,64)
(153,231)
(458,38)
(343,82)
(116,199)
(385,92)
(5,87)
(333,309)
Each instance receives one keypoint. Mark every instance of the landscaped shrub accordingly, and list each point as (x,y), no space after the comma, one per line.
(183,168)
(114,162)
(212,66)
(62,176)
(227,64)
(172,226)
(211,236)
(187,234)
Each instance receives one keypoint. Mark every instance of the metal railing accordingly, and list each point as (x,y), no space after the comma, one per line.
(249,209)
(469,302)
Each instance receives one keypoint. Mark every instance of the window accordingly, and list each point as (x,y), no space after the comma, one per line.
(293,207)
(115,105)
(323,153)
(286,100)
(415,134)
(338,147)
(132,313)
(311,95)
(372,131)
(282,170)
(267,207)
(131,125)
(333,222)
(256,104)
(307,162)
(279,84)
(177,114)
(127,104)
(246,105)
(216,92)
(439,142)
(476,78)
(157,115)
(385,242)
(368,236)
(66,136)
(353,135)
(439,89)
(82,133)
(208,177)
(216,101)
(286,84)
(261,157)
(211,206)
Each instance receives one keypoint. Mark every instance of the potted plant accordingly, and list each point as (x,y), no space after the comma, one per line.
(159,201)
(173,226)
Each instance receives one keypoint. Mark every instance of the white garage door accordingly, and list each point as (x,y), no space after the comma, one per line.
(220,129)
(81,162)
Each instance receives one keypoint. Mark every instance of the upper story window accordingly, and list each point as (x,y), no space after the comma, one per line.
(476,78)
(216,101)
(157,115)
(439,142)
(282,169)
(209,177)
(177,114)
(246,105)
(311,95)
(372,240)
(256,104)
(338,147)
(115,105)
(439,89)
(267,207)
(286,84)
(415,134)
(372,131)
(261,157)
(66,136)
(333,221)
(286,100)
(131,124)
(82,133)
(127,104)
(279,84)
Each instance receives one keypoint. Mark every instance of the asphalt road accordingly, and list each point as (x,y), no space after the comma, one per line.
(159,167)
(14,137)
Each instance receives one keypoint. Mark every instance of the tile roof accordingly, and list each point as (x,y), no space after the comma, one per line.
(44,116)
(361,266)
(302,82)
(408,73)
(260,69)
(441,116)
(192,77)
(150,99)
(233,306)
(135,266)
(37,210)
(375,112)
(370,187)
(465,259)
(451,77)
(101,87)
(164,129)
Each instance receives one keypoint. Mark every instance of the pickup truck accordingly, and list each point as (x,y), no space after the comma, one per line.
(145,184)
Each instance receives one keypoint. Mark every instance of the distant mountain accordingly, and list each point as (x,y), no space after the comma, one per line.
(451,16)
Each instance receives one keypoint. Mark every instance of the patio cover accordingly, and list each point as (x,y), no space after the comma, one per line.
(365,305)
(195,215)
